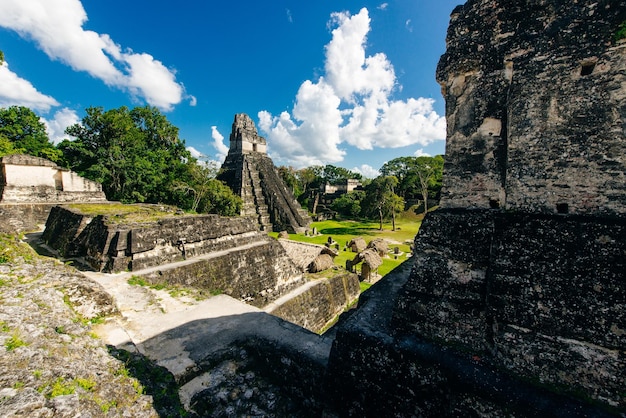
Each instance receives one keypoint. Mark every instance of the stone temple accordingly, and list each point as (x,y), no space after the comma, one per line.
(251,174)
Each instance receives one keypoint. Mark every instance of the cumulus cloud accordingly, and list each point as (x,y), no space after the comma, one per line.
(57,28)
(218,144)
(194,152)
(367,171)
(352,103)
(421,153)
(56,126)
(15,91)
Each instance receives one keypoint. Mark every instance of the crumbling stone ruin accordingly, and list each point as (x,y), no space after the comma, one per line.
(25,178)
(30,186)
(251,174)
(516,304)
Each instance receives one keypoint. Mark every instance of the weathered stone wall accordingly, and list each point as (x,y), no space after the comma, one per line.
(23,217)
(516,304)
(24,178)
(543,298)
(535,107)
(109,246)
(256,275)
(320,304)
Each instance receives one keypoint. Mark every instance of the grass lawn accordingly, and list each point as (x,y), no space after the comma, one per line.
(343,231)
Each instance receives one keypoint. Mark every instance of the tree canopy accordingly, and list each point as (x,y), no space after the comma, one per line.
(22,131)
(418,177)
(138,157)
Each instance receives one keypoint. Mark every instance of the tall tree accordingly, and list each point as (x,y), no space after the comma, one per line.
(209,194)
(381,199)
(138,157)
(418,177)
(26,132)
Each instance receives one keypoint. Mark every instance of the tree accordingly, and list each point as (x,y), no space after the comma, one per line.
(24,130)
(349,204)
(289,176)
(209,194)
(381,199)
(418,177)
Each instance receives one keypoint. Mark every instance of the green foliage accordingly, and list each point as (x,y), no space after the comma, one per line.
(87,384)
(136,154)
(138,157)
(380,199)
(418,177)
(11,247)
(21,131)
(61,387)
(290,178)
(1,57)
(349,204)
(14,342)
(137,281)
(621,31)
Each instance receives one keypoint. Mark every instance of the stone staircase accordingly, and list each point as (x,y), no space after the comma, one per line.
(254,200)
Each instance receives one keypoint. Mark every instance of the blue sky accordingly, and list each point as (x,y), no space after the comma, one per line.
(343,82)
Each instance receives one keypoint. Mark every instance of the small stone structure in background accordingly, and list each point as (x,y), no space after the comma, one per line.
(31,186)
(28,179)
(251,174)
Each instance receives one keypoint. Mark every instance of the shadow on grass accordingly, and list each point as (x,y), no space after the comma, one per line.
(355,230)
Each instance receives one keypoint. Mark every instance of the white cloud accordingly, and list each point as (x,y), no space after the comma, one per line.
(383,6)
(56,126)
(194,152)
(192,101)
(15,91)
(218,144)
(408,25)
(367,171)
(57,27)
(421,153)
(289,16)
(352,103)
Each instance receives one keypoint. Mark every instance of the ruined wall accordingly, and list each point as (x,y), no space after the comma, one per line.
(535,107)
(320,304)
(108,246)
(516,303)
(25,178)
(23,217)
(256,275)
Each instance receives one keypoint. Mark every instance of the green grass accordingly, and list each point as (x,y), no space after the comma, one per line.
(121,213)
(621,31)
(343,231)
(11,247)
(14,342)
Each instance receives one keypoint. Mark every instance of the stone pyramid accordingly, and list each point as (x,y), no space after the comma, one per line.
(251,174)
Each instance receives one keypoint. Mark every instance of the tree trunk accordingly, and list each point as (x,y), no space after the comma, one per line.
(393,219)
(380,214)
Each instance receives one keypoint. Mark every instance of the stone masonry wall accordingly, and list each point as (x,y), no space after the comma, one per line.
(320,304)
(541,298)
(516,303)
(108,246)
(535,107)
(256,275)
